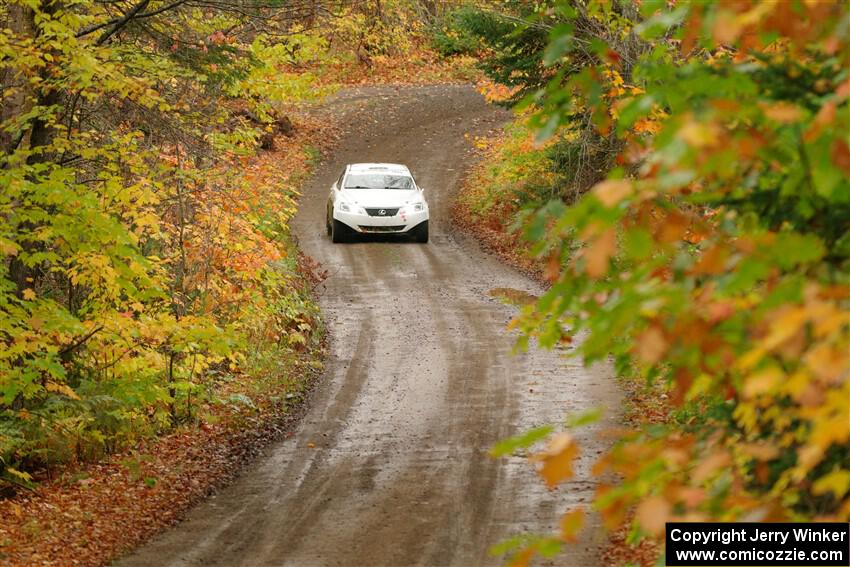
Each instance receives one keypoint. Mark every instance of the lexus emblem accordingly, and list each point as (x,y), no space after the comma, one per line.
(382,212)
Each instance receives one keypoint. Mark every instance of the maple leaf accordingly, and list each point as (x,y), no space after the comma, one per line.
(553,267)
(611,191)
(571,523)
(555,463)
(712,261)
(653,513)
(599,253)
(651,345)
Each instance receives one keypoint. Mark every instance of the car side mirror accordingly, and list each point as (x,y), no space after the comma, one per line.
(421,188)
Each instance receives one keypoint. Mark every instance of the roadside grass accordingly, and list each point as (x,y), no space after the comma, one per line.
(513,175)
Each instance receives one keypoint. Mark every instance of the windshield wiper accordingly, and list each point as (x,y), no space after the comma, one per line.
(356,187)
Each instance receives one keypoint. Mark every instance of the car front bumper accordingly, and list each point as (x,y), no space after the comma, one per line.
(400,222)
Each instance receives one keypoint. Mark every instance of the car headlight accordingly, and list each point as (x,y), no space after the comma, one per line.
(345,207)
(418,207)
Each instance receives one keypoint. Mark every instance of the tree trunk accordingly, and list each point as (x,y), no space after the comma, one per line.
(40,136)
(21,20)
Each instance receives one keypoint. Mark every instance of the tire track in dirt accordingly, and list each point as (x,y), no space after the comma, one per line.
(419,384)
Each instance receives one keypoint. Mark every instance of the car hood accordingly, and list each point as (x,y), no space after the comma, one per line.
(382,197)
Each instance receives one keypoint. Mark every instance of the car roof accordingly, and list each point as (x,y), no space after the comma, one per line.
(378,168)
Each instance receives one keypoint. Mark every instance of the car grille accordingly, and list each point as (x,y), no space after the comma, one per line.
(398,228)
(382,212)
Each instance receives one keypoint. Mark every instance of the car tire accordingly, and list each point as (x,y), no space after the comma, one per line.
(421,233)
(339,232)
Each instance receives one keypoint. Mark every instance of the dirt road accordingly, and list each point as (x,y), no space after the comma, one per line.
(389,467)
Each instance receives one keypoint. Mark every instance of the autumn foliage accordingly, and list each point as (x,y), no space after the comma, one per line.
(145,255)
(712,259)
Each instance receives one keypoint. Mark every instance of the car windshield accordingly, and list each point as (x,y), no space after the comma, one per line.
(378,181)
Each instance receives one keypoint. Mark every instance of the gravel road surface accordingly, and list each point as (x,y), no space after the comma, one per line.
(389,466)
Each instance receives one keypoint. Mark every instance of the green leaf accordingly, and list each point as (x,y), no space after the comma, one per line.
(521,441)
(585,418)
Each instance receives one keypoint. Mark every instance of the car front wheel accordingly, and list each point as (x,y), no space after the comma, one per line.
(338,231)
(421,233)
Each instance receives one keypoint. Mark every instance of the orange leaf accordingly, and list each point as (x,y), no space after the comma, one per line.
(692,497)
(571,523)
(599,253)
(557,460)
(726,27)
(614,514)
(828,364)
(841,155)
(708,466)
(610,192)
(782,112)
(712,261)
(553,267)
(672,227)
(825,117)
(651,345)
(653,513)
(522,558)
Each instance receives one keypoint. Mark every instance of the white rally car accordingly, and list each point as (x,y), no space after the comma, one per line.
(376,198)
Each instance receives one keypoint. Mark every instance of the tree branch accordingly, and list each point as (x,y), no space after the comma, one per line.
(79,342)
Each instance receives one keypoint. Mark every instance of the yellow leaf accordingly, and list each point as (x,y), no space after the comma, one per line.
(698,134)
(828,364)
(784,327)
(63,389)
(8,248)
(837,482)
(28,294)
(749,360)
(26,477)
(556,461)
(762,382)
